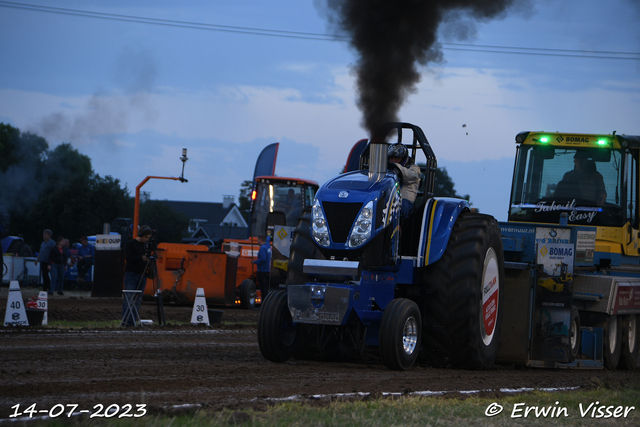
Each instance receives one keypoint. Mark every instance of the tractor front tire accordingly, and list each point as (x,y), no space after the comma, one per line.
(276,329)
(248,294)
(463,307)
(400,331)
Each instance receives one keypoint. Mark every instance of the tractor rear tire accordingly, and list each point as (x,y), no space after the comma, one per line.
(400,331)
(248,294)
(302,247)
(575,334)
(463,307)
(630,343)
(276,329)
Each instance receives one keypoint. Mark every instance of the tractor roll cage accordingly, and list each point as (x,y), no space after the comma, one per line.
(419,142)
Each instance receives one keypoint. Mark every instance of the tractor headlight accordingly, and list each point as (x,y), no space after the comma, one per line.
(361,231)
(319,228)
(317,292)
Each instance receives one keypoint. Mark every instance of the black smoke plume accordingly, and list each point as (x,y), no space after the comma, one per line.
(394,37)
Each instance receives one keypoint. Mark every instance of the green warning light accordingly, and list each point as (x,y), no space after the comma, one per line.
(602,142)
(544,139)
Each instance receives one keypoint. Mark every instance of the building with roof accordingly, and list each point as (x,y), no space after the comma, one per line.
(211,221)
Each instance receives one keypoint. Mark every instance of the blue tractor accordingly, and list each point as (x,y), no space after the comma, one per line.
(366,282)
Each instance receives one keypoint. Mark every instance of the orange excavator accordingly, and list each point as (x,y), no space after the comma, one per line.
(228,277)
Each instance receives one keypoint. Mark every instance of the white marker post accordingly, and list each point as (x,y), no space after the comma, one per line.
(43,304)
(16,315)
(200,313)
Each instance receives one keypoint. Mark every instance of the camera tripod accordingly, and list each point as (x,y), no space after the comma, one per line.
(152,273)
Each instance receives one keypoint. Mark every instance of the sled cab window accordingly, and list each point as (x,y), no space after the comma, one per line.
(630,184)
(585,183)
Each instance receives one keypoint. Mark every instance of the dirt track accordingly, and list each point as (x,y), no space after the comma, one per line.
(220,366)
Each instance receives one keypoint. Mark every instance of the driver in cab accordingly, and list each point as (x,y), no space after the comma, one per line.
(399,155)
(583,182)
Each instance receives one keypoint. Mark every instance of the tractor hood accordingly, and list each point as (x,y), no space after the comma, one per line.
(344,199)
(357,187)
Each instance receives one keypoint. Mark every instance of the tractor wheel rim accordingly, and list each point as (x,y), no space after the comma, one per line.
(410,335)
(632,333)
(613,336)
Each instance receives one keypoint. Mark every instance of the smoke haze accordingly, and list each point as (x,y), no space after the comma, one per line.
(135,73)
(394,37)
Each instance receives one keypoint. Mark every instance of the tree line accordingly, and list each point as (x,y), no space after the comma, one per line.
(58,189)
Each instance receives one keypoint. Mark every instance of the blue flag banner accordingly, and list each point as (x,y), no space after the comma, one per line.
(266,163)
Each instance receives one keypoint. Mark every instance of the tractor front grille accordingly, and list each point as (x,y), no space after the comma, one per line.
(340,218)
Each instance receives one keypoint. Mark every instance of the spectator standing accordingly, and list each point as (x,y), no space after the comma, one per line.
(43,258)
(85,257)
(57,264)
(66,258)
(135,256)
(264,265)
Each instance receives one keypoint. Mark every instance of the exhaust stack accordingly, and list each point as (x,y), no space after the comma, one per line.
(377,160)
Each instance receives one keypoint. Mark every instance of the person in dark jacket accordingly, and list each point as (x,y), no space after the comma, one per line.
(43,259)
(57,264)
(263,264)
(136,263)
(583,183)
(86,255)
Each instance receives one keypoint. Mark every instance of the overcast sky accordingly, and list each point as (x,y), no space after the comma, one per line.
(157,76)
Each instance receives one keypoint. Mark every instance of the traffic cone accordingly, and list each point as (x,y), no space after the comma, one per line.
(16,315)
(43,304)
(200,313)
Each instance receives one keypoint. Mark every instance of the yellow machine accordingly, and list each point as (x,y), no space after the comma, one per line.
(574,201)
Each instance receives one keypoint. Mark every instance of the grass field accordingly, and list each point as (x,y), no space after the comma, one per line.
(575,408)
